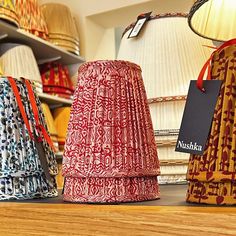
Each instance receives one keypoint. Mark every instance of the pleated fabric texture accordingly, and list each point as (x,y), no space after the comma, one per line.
(21,173)
(18,60)
(110,153)
(31,18)
(8,12)
(170,55)
(62,30)
(56,80)
(173,169)
(61,116)
(212,175)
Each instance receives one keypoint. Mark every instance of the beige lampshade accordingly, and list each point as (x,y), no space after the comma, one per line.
(61,117)
(62,30)
(18,60)
(49,119)
(214,19)
(31,18)
(169,53)
(66,44)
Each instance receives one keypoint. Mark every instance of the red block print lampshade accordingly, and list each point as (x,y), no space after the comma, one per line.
(56,80)
(110,152)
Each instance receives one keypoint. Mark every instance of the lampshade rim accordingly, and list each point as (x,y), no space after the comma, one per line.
(157,16)
(127,63)
(193,9)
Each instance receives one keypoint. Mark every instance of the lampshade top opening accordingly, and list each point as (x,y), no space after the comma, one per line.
(214,19)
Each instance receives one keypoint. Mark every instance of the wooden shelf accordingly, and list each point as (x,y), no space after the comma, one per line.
(44,51)
(54,100)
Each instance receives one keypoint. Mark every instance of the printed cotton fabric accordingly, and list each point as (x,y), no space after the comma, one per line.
(212,175)
(110,151)
(21,173)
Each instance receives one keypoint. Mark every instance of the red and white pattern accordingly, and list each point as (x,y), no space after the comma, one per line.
(110,153)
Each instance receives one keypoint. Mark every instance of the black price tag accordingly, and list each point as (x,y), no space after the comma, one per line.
(197,117)
(141,20)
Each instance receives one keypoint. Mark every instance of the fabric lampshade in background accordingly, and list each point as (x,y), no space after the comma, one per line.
(62,30)
(61,117)
(56,80)
(50,124)
(214,19)
(110,153)
(31,18)
(170,55)
(8,12)
(18,61)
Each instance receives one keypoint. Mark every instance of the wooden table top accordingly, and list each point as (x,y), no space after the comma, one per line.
(81,219)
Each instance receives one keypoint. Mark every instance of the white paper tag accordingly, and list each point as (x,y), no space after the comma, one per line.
(139,24)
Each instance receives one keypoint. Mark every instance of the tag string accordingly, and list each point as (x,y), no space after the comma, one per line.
(207,65)
(40,128)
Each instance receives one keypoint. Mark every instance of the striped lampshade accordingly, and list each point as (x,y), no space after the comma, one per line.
(62,30)
(18,60)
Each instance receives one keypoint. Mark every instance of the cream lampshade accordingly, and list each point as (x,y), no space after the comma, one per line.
(214,19)
(170,55)
(18,61)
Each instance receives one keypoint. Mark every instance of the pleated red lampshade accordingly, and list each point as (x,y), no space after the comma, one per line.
(110,152)
(56,80)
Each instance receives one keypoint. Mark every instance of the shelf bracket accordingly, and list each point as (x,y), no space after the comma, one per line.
(42,61)
(3,36)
